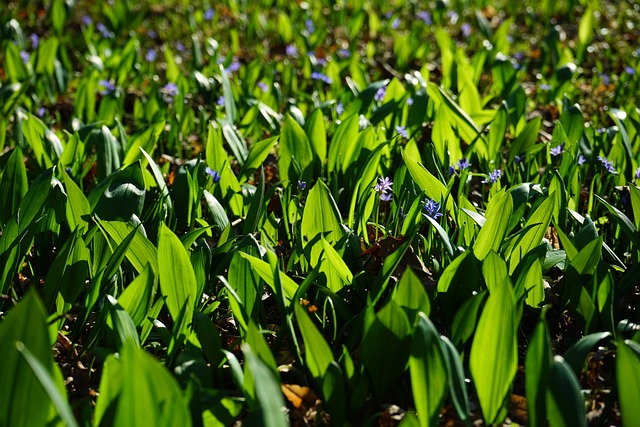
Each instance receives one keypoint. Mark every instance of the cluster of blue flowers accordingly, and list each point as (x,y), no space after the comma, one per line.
(431,209)
(316,75)
(385,188)
(607,165)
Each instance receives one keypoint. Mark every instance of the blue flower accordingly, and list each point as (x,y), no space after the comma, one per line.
(308,24)
(380,93)
(180,47)
(291,50)
(302,185)
(432,209)
(402,131)
(463,164)
(109,87)
(213,174)
(35,40)
(545,87)
(452,170)
(339,108)
(104,31)
(629,70)
(220,101)
(409,101)
(344,53)
(385,188)
(608,165)
(234,66)
(25,56)
(316,75)
(170,90)
(395,24)
(208,14)
(605,79)
(466,30)
(636,175)
(581,160)
(41,112)
(493,176)
(151,55)
(518,159)
(425,16)
(556,151)
(86,20)
(263,86)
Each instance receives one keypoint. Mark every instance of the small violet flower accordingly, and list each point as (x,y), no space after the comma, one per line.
(581,160)
(432,209)
(170,90)
(308,24)
(86,20)
(344,53)
(466,30)
(339,108)
(302,185)
(25,56)
(385,188)
(104,31)
(629,70)
(463,164)
(493,176)
(213,174)
(518,159)
(35,40)
(263,86)
(234,66)
(402,131)
(180,47)
(636,175)
(41,111)
(109,87)
(425,16)
(556,151)
(151,55)
(545,87)
(409,101)
(291,50)
(208,14)
(380,93)
(395,24)
(608,165)
(316,75)
(220,101)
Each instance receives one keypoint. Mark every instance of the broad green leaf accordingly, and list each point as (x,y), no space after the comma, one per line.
(428,371)
(268,392)
(57,397)
(628,381)
(411,296)
(536,225)
(320,217)
(177,279)
(495,227)
(77,208)
(13,185)
(576,355)
(318,355)
(317,136)
(138,295)
(534,284)
(149,395)
(333,266)
(25,402)
(124,328)
(141,251)
(294,150)
(47,51)
(565,404)
(428,183)
(110,387)
(244,279)
(537,367)
(120,195)
(143,141)
(265,271)
(494,352)
(525,139)
(386,338)
(219,217)
(457,384)
(494,270)
(344,137)
(257,155)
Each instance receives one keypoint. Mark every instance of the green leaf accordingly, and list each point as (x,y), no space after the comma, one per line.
(56,396)
(429,184)
(538,366)
(320,217)
(428,371)
(494,352)
(141,251)
(177,279)
(525,140)
(411,296)
(317,135)
(124,327)
(77,208)
(25,402)
(144,141)
(497,220)
(533,284)
(47,51)
(13,185)
(318,355)
(386,338)
(294,150)
(243,278)
(457,385)
(264,270)
(565,404)
(257,155)
(149,395)
(333,266)
(628,381)
(344,137)
(120,195)
(576,355)
(268,392)
(138,295)
(536,226)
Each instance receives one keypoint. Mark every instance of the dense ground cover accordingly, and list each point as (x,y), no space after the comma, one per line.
(325,213)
